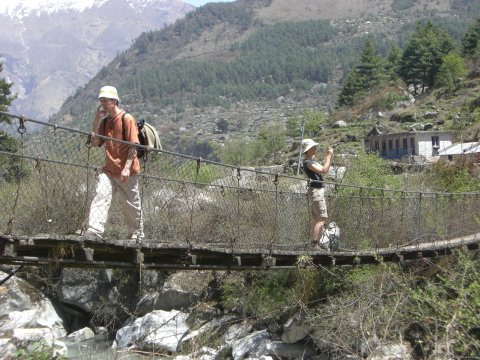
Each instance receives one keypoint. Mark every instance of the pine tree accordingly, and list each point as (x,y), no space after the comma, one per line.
(422,57)
(368,74)
(392,65)
(9,167)
(471,41)
(6,96)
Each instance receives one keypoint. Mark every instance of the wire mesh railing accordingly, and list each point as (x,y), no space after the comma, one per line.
(48,178)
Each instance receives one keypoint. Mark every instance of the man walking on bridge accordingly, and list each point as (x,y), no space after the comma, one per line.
(121,169)
(316,191)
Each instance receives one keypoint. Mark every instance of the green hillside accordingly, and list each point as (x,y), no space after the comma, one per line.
(234,64)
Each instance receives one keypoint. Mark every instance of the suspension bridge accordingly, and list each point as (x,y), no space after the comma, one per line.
(201,214)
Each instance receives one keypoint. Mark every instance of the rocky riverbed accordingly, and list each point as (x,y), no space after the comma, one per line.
(92,313)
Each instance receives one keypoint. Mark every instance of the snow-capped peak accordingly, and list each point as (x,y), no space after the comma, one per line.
(22,8)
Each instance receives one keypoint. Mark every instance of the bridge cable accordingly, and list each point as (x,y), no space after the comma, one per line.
(403,207)
(419,233)
(235,239)
(44,190)
(197,172)
(435,217)
(144,182)
(21,130)
(275,219)
(362,212)
(88,145)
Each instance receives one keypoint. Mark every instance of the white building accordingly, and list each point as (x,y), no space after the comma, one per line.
(427,144)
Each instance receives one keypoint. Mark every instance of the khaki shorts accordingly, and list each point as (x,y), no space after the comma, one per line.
(318,204)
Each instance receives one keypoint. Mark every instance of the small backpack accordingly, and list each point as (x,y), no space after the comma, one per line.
(331,236)
(147,136)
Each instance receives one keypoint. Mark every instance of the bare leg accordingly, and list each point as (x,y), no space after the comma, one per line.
(316,229)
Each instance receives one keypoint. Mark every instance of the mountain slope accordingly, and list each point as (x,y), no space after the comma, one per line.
(247,63)
(49,51)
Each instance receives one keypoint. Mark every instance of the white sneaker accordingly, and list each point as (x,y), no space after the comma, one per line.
(138,238)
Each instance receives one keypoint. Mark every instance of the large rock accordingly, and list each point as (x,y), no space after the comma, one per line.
(159,330)
(28,320)
(295,329)
(82,335)
(87,289)
(24,307)
(339,124)
(253,345)
(237,331)
(180,290)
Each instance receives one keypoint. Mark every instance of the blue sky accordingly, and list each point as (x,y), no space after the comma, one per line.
(203,2)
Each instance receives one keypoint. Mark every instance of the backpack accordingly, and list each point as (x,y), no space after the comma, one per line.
(147,136)
(331,236)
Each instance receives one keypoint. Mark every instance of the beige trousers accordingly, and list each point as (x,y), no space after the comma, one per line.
(128,194)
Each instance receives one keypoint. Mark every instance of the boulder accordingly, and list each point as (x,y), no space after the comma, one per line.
(253,345)
(24,307)
(339,124)
(84,287)
(159,330)
(237,331)
(81,335)
(295,329)
(182,289)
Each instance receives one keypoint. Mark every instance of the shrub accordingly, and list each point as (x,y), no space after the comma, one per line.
(461,176)
(268,295)
(446,307)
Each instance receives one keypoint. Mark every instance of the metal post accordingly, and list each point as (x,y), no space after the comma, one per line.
(300,151)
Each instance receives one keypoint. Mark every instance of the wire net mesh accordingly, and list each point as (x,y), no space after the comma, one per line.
(48,179)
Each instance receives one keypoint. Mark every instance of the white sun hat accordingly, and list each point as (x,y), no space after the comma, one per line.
(109,92)
(307,144)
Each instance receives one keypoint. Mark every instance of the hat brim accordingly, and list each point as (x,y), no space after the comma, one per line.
(309,147)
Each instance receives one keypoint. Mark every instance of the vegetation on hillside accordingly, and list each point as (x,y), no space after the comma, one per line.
(268,61)
(10,169)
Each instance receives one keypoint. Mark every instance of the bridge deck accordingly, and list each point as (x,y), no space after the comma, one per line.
(76,251)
